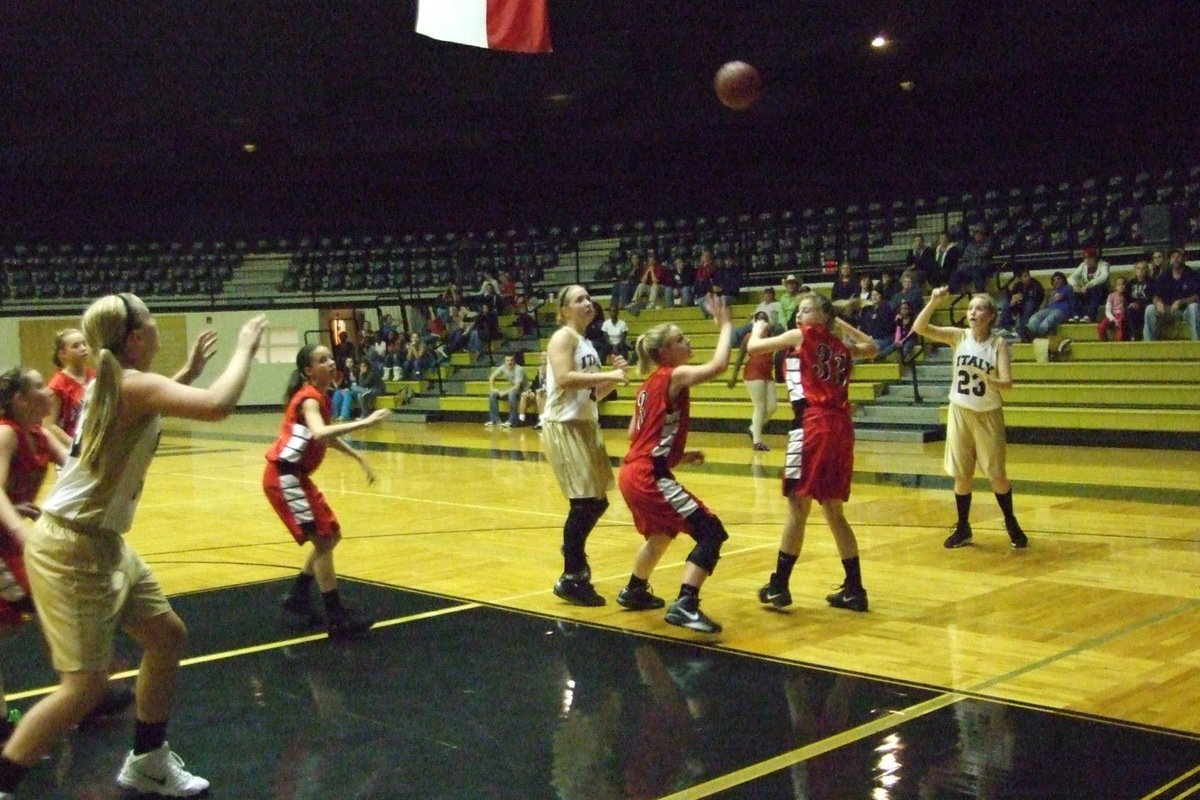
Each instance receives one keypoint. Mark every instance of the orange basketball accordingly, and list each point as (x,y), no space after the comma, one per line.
(738,85)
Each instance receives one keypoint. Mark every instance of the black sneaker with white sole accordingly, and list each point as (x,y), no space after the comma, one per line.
(775,594)
(641,598)
(1015,534)
(685,612)
(852,599)
(959,537)
(578,591)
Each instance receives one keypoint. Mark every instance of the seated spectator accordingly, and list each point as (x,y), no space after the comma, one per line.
(680,283)
(1089,281)
(705,272)
(489,290)
(1059,308)
(594,332)
(513,375)
(527,311)
(650,284)
(1114,313)
(371,380)
(727,282)
(1018,300)
(347,391)
(1158,264)
(533,399)
(947,256)
(910,291)
(485,333)
(865,287)
(626,278)
(387,327)
(887,284)
(789,301)
(975,266)
(461,326)
(845,291)
(616,330)
(878,320)
(902,334)
(508,292)
(417,357)
(374,351)
(1176,296)
(1139,294)
(921,260)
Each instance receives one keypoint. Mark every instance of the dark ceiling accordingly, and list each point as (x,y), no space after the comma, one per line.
(131,117)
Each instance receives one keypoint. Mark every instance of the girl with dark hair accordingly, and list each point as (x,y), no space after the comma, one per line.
(71,356)
(306,432)
(820,449)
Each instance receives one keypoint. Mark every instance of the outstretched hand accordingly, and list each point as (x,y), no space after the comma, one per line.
(720,310)
(251,333)
(940,292)
(204,348)
(378,415)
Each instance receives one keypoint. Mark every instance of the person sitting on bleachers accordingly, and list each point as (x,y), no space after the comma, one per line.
(1114,313)
(1089,281)
(947,256)
(680,283)
(1059,308)
(705,272)
(370,378)
(650,285)
(910,291)
(626,278)
(1139,294)
(845,292)
(1018,301)
(976,263)
(789,301)
(921,259)
(513,374)
(878,320)
(887,284)
(484,334)
(1176,296)
(617,332)
(903,337)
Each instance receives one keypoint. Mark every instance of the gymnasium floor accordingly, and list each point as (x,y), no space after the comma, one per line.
(1071,669)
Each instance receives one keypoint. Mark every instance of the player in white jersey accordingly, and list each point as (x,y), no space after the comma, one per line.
(85,579)
(975,428)
(571,432)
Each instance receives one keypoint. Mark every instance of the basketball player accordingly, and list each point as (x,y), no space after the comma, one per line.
(71,356)
(820,448)
(975,428)
(658,435)
(303,437)
(571,432)
(85,578)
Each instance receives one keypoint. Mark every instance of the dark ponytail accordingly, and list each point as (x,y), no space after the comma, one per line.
(298,378)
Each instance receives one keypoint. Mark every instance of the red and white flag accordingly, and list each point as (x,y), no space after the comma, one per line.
(522,26)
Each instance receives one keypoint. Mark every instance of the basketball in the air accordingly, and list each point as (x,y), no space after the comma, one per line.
(738,85)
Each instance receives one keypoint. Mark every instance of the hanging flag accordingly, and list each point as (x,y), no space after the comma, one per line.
(522,26)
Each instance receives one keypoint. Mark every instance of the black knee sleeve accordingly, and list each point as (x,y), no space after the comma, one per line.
(710,535)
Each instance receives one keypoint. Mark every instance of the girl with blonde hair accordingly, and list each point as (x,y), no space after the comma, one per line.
(85,578)
(71,356)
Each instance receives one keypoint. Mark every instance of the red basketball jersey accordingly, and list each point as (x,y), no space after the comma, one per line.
(28,467)
(296,444)
(818,371)
(660,429)
(70,398)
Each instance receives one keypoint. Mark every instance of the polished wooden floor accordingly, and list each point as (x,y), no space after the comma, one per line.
(1100,616)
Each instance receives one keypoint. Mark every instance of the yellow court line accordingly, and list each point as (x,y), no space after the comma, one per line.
(1166,786)
(784,760)
(260,648)
(1188,793)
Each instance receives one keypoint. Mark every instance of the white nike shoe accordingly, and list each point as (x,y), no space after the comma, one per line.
(685,612)
(160,772)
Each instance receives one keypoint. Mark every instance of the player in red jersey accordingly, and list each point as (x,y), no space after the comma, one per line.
(820,450)
(305,434)
(71,355)
(661,506)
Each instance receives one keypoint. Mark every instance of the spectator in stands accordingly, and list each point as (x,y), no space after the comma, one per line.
(903,337)
(947,256)
(878,320)
(887,284)
(594,332)
(865,287)
(489,289)
(344,348)
(680,283)
(508,292)
(387,327)
(534,397)
(513,374)
(910,291)
(616,330)
(417,357)
(789,301)
(1018,301)
(976,263)
(1176,296)
(625,280)
(1089,281)
(347,391)
(1114,313)
(768,309)
(484,334)
(922,261)
(845,291)
(371,379)
(705,272)
(460,330)
(526,321)
(1060,307)
(727,283)
(760,384)
(650,285)
(1138,297)
(1158,264)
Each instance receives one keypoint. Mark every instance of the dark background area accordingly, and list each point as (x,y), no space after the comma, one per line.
(129,119)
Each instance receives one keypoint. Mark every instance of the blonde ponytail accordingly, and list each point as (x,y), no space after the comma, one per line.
(106,323)
(648,345)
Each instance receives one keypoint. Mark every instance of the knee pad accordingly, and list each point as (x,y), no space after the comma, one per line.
(710,535)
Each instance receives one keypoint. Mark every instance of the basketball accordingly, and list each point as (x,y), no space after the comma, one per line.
(738,85)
